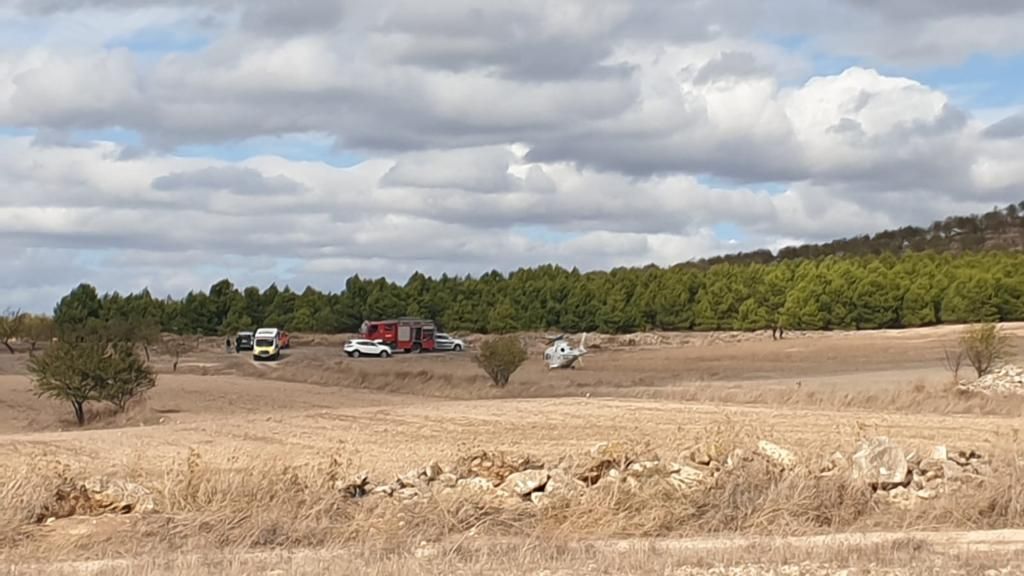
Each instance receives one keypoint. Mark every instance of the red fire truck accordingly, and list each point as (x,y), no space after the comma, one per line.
(405,334)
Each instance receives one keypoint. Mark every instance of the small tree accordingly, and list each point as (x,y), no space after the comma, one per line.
(954,360)
(181,346)
(68,372)
(79,372)
(38,329)
(12,324)
(125,376)
(984,345)
(501,357)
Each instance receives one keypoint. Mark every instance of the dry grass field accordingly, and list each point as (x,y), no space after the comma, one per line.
(244,462)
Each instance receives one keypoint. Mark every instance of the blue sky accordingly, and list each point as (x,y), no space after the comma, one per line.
(161,40)
(982,81)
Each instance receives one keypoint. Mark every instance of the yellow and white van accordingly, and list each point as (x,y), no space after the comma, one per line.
(266,344)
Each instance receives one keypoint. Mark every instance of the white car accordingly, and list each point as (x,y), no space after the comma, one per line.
(445,342)
(357,348)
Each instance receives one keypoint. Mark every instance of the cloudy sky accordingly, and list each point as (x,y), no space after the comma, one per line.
(169,144)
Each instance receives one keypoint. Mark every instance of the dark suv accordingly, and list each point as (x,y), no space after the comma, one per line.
(243,341)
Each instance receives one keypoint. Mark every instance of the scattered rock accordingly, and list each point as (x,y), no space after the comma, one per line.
(95,497)
(913,460)
(606,458)
(899,492)
(561,483)
(951,471)
(777,454)
(700,456)
(930,465)
(881,464)
(385,490)
(408,494)
(647,469)
(120,496)
(410,479)
(925,494)
(477,484)
(687,478)
(835,464)
(1005,381)
(897,479)
(432,472)
(494,466)
(525,483)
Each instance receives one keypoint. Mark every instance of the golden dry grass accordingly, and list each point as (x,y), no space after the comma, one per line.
(266,505)
(904,557)
(257,490)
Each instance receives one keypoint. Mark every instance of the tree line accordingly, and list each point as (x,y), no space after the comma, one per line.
(833,292)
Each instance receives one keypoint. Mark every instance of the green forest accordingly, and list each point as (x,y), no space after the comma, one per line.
(867,292)
(895,288)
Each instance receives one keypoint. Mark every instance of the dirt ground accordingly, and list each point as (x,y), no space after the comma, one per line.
(818,391)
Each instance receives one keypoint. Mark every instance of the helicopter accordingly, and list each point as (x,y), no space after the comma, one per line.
(561,354)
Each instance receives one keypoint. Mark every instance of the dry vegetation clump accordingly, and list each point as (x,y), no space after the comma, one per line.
(984,346)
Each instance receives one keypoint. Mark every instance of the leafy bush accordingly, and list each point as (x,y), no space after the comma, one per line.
(79,372)
(501,357)
(984,345)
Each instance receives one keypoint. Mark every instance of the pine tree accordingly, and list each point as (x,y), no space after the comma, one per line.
(753,316)
(917,308)
(971,299)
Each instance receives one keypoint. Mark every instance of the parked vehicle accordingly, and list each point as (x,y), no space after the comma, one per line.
(357,348)
(444,342)
(267,345)
(405,334)
(243,341)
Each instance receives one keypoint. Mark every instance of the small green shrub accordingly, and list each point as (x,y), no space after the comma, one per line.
(501,357)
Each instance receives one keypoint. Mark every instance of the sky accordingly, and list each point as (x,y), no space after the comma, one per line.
(170,144)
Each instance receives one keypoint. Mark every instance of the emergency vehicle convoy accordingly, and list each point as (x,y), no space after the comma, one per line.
(405,334)
(380,338)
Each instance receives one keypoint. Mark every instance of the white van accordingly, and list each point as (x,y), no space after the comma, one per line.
(266,344)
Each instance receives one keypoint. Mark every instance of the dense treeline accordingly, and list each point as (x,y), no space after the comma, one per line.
(1000,229)
(887,291)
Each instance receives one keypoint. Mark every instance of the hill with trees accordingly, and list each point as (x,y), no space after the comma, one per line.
(1001,230)
(963,269)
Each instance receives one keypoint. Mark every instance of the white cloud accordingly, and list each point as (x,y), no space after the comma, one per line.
(495,136)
